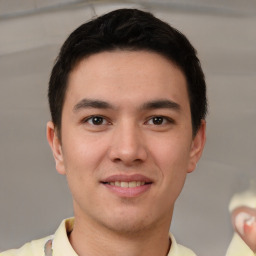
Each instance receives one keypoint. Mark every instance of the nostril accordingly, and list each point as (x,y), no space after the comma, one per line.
(126,154)
(117,160)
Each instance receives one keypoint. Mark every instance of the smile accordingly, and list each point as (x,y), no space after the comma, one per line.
(131,184)
(128,186)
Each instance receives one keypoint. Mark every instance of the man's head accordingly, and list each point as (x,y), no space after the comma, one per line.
(121,93)
(133,30)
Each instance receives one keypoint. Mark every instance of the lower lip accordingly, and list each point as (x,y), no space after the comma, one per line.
(128,192)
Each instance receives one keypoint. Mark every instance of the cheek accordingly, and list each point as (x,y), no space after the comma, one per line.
(80,161)
(81,153)
(171,154)
(172,159)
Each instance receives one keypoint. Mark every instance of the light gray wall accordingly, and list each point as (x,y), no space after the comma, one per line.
(34,198)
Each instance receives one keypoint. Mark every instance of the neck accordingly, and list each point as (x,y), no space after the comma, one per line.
(89,239)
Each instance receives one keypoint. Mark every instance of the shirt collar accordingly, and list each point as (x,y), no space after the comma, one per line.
(62,247)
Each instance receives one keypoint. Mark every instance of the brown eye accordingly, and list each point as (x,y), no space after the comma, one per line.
(157,120)
(96,120)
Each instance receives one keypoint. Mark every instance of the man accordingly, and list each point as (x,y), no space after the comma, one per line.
(128,101)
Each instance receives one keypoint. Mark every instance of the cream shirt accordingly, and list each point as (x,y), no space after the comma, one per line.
(62,247)
(238,247)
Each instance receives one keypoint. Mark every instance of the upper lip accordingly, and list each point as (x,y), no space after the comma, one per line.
(127,178)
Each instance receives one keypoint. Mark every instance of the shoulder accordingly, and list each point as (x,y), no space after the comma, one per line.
(179,250)
(184,251)
(36,247)
(33,248)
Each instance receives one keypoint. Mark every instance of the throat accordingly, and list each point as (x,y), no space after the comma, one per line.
(109,244)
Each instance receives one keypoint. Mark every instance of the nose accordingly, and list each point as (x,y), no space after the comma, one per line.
(127,145)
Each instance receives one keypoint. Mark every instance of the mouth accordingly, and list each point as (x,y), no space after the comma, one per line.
(128,186)
(124,184)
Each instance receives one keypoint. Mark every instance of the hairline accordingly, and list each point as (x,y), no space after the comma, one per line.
(121,49)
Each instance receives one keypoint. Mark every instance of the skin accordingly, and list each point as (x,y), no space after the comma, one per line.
(126,141)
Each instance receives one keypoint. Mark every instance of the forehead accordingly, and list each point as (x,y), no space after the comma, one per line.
(122,74)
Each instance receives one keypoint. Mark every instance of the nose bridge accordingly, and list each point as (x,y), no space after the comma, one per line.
(127,143)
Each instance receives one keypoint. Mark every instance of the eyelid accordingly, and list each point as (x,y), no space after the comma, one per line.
(88,118)
(106,121)
(167,119)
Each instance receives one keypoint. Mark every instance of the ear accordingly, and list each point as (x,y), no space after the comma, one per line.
(197,146)
(55,144)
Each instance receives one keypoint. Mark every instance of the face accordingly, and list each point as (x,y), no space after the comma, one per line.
(126,139)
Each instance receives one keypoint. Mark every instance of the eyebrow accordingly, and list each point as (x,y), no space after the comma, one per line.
(88,103)
(160,104)
(155,104)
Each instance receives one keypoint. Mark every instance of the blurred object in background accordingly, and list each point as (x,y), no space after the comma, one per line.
(243,214)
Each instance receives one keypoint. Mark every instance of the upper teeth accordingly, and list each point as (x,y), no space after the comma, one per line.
(130,184)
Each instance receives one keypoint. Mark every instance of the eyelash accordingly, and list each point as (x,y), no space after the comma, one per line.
(166,120)
(87,119)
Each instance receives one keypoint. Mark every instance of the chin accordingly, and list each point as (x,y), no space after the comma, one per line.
(127,228)
(129,223)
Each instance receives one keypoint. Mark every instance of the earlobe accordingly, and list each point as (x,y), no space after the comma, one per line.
(54,142)
(197,146)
